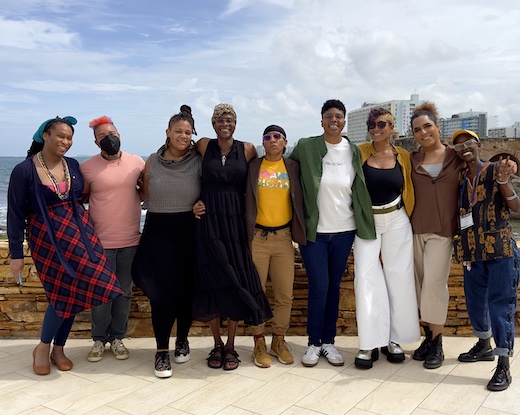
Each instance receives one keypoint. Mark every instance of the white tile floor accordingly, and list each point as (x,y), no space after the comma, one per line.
(130,387)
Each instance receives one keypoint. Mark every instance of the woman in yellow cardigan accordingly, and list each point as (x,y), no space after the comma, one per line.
(386,303)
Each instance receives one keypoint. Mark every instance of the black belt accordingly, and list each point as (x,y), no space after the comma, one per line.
(389,209)
(272,229)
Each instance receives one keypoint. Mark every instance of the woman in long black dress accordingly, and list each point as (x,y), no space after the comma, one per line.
(227,284)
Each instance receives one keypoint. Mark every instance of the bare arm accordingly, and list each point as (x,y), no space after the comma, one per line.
(250,151)
(143,181)
(505,168)
(202,145)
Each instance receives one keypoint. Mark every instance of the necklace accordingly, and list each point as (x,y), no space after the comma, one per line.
(112,158)
(53,179)
(223,156)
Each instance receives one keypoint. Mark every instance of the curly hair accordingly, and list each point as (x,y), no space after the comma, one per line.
(377,112)
(333,103)
(221,109)
(427,108)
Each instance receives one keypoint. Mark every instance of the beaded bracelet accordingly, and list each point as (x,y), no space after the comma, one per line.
(504,182)
(512,197)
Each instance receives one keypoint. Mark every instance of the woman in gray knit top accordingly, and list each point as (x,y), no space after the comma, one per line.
(164,264)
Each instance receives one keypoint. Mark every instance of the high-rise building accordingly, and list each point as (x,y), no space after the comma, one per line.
(401,110)
(472,120)
(505,132)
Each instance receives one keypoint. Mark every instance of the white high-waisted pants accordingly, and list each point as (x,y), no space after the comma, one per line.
(386,302)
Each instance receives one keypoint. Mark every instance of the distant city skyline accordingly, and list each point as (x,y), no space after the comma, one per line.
(276,61)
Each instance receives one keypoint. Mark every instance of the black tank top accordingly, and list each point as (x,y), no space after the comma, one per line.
(384,185)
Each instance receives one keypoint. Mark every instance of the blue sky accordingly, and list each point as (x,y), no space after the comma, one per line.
(276,61)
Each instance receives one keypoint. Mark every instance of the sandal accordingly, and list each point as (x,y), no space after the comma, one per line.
(216,357)
(231,363)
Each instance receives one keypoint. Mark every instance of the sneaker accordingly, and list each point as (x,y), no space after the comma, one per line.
(365,358)
(119,350)
(281,350)
(96,353)
(260,356)
(331,353)
(311,356)
(182,351)
(163,367)
(393,352)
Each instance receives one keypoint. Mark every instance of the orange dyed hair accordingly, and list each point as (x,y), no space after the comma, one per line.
(100,121)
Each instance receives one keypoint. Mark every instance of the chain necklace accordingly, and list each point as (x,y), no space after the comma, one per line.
(51,177)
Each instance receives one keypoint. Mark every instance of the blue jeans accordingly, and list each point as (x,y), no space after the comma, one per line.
(491,296)
(110,320)
(325,261)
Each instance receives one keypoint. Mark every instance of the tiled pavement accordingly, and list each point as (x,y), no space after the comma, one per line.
(130,387)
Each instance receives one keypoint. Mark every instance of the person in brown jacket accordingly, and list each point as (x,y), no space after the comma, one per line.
(435,176)
(274,218)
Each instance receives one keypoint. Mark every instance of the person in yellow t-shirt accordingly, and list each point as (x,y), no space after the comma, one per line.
(274,218)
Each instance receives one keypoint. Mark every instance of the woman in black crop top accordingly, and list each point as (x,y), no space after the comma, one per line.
(386,304)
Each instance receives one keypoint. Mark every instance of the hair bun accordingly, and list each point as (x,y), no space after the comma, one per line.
(186,109)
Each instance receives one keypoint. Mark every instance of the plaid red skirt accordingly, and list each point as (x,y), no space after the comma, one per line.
(93,282)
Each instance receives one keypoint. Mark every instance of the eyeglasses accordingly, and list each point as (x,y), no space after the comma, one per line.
(380,124)
(223,121)
(465,144)
(276,136)
(329,117)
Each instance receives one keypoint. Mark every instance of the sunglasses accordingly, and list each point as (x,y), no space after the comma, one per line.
(276,136)
(380,124)
(11,279)
(465,144)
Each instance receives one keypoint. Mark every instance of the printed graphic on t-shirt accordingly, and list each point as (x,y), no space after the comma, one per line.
(273,180)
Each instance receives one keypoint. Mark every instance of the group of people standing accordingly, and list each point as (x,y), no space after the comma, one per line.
(220,221)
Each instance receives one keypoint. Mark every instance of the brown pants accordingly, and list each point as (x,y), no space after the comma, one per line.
(273,255)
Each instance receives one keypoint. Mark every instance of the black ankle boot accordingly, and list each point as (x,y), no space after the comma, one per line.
(482,351)
(435,354)
(422,350)
(502,378)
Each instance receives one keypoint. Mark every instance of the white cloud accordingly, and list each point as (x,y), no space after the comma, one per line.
(34,34)
(276,61)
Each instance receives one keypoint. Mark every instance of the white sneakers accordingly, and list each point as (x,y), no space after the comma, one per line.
(311,356)
(313,353)
(331,353)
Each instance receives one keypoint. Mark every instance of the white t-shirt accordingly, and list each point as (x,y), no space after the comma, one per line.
(335,191)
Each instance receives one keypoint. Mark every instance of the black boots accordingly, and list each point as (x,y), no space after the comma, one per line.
(481,351)
(430,351)
(435,354)
(422,350)
(502,378)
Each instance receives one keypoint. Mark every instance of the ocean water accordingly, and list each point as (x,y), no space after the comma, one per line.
(7,165)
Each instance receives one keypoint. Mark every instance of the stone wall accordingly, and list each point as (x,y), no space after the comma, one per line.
(22,307)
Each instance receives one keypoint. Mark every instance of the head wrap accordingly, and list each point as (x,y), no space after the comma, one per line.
(221,109)
(38,135)
(276,128)
(469,132)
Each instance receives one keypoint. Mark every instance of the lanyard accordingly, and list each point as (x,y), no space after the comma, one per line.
(474,182)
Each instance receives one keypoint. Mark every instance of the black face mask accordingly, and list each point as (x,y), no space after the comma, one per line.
(110,145)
